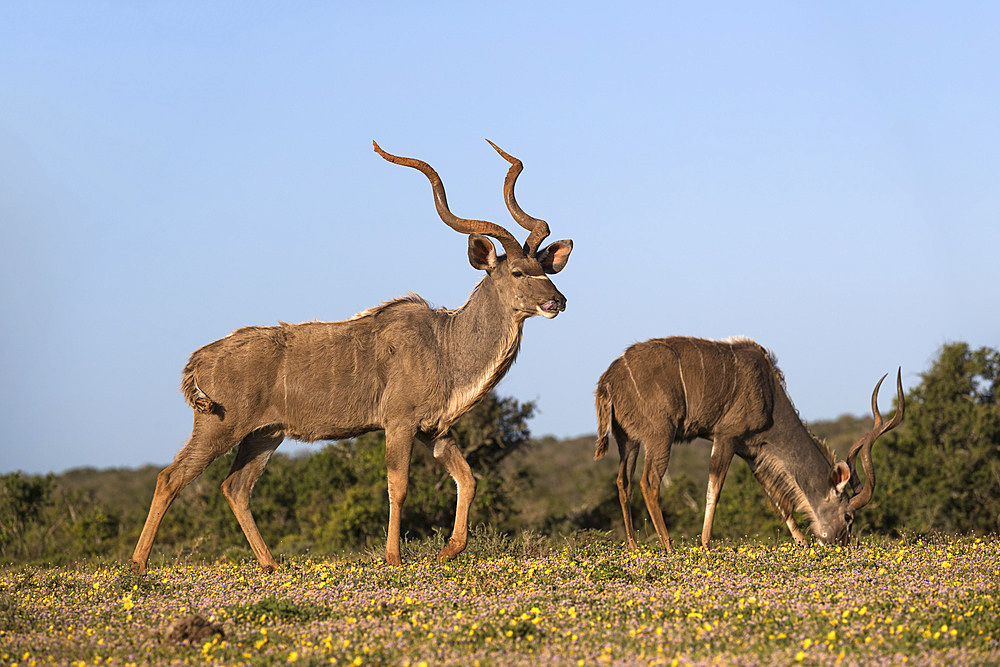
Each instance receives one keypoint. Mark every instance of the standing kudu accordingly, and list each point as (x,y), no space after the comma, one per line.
(402,366)
(668,390)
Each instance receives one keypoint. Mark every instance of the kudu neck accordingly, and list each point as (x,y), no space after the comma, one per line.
(804,462)
(483,336)
(485,307)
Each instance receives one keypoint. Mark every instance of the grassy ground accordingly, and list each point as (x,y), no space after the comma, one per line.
(528,601)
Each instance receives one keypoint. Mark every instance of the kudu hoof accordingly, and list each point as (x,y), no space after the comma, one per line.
(450,550)
(137,567)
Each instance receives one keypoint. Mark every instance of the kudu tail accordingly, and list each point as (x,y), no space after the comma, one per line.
(605,413)
(193,394)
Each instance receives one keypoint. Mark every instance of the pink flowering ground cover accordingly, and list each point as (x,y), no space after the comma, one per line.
(918,602)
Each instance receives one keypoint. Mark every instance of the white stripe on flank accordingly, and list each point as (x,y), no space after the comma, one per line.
(632,377)
(680,369)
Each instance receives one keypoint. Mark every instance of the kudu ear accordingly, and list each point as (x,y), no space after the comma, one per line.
(482,254)
(555,255)
(840,475)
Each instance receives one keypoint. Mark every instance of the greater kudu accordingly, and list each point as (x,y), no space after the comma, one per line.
(668,390)
(402,366)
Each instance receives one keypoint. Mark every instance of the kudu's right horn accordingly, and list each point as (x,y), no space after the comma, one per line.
(865,442)
(539,228)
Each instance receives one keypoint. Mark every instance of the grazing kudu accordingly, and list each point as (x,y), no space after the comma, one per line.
(403,367)
(668,390)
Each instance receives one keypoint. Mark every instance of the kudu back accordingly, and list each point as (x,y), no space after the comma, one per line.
(668,390)
(401,366)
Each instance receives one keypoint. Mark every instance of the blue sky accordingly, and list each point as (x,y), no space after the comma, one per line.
(822,177)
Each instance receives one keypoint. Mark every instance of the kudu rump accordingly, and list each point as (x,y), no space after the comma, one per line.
(668,390)
(402,366)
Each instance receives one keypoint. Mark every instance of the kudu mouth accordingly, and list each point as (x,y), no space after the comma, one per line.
(551,308)
(842,538)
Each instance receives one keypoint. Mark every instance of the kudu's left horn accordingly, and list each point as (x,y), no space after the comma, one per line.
(507,240)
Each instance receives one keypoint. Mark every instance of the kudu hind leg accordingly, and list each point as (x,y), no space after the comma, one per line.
(628,452)
(722,455)
(248,465)
(448,454)
(203,447)
(653,469)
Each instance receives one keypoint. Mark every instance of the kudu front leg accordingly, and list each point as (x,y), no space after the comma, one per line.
(797,535)
(398,446)
(448,454)
(722,455)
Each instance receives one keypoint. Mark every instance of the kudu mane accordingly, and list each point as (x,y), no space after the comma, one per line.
(777,481)
(410,297)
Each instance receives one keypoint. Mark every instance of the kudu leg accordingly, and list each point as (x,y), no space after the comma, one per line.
(398,446)
(653,469)
(797,535)
(722,456)
(251,457)
(628,453)
(448,454)
(202,448)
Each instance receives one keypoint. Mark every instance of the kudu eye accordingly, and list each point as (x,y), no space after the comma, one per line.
(848,518)
(516,273)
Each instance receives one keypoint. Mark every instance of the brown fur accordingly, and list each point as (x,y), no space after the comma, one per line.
(668,390)
(402,366)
